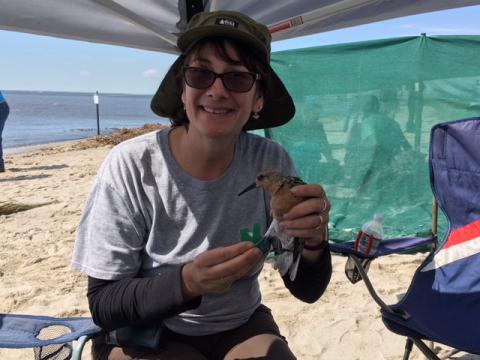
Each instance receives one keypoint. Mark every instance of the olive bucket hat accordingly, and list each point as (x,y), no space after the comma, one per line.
(278,107)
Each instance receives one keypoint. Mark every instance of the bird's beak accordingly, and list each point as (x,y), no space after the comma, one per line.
(248,188)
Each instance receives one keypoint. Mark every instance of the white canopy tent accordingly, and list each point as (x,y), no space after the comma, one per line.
(155,24)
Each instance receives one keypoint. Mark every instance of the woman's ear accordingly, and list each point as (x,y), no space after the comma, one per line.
(183,96)
(258,102)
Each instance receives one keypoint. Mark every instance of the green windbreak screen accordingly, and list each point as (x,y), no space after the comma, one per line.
(363,120)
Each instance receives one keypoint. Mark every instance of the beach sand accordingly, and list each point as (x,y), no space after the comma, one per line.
(36,247)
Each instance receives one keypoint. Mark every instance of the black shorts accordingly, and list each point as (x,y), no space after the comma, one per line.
(214,346)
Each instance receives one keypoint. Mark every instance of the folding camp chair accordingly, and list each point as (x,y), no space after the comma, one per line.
(50,337)
(442,303)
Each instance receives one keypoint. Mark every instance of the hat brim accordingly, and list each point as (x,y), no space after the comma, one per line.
(278,106)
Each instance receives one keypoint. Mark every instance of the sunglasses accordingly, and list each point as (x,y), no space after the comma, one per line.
(236,81)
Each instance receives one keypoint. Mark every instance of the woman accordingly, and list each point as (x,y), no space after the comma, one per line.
(160,234)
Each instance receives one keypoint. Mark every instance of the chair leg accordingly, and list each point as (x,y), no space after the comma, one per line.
(425,350)
(450,354)
(77,352)
(371,290)
(408,349)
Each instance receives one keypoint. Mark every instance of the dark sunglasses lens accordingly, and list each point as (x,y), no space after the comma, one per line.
(238,81)
(199,78)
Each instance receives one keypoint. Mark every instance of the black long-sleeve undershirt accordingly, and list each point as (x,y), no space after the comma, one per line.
(135,301)
(312,278)
(143,301)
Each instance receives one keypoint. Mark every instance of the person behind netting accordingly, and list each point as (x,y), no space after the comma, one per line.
(160,233)
(4,111)
(314,127)
(389,102)
(312,146)
(373,144)
(415,106)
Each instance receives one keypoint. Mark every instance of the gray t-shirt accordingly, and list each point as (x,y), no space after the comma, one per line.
(146,216)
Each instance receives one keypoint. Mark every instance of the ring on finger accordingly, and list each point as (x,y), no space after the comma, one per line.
(319,226)
(324,205)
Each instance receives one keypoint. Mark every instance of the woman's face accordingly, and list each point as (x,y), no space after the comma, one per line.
(217,112)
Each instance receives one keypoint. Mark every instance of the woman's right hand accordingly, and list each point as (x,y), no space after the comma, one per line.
(214,271)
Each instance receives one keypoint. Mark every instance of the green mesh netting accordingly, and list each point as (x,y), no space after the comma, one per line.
(362,127)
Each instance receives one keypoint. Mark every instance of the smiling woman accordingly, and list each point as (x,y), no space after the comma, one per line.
(219,103)
(173,264)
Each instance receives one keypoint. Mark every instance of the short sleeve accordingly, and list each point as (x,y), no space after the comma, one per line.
(109,244)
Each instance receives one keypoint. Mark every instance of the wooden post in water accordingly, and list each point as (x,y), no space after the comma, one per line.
(96,102)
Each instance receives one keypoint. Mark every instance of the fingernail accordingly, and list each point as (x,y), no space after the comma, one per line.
(247,245)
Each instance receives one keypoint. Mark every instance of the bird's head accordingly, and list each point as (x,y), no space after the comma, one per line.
(268,179)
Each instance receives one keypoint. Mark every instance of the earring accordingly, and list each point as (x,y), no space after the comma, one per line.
(255,115)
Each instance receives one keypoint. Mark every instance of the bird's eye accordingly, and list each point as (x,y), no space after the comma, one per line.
(260,177)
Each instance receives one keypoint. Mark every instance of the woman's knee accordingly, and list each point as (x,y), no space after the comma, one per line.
(172,351)
(264,346)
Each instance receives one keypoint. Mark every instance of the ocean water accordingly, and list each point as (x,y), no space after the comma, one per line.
(47,117)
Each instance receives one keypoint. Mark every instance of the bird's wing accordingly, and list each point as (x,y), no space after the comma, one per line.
(292,181)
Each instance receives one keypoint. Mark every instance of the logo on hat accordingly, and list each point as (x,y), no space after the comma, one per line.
(226,22)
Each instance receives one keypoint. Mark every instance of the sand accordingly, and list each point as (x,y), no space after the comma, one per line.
(36,247)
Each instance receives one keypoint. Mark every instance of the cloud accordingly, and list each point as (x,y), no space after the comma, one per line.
(445,30)
(437,29)
(151,73)
(406,26)
(85,73)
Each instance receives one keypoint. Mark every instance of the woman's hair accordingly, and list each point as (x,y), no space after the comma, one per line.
(252,60)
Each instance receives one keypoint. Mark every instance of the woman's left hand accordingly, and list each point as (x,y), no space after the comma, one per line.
(308,219)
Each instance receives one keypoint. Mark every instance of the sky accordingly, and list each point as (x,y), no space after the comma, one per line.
(40,63)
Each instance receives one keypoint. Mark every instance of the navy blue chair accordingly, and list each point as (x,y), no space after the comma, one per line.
(442,303)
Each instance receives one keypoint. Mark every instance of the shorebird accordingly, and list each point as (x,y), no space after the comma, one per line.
(287,249)
(279,187)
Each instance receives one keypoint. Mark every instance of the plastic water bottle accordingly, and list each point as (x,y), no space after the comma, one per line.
(370,236)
